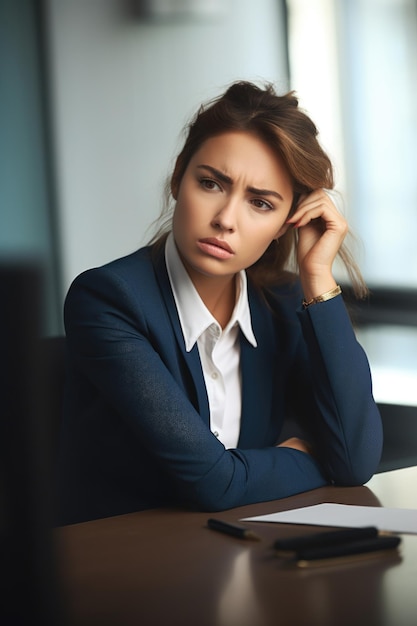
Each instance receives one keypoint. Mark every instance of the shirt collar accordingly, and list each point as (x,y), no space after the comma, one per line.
(194,316)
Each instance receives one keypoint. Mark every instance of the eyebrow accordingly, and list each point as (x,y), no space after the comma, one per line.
(226,179)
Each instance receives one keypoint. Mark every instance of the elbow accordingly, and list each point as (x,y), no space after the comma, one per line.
(357,464)
(356,473)
(352,478)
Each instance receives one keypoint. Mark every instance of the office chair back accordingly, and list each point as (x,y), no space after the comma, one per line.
(31,591)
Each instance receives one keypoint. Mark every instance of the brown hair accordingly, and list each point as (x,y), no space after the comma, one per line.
(291,134)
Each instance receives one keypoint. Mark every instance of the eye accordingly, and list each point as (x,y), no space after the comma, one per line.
(209,184)
(262,205)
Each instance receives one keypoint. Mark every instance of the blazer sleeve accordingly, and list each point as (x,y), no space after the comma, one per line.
(343,417)
(113,344)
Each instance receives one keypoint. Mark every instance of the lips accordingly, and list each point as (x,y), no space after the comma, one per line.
(217,242)
(215,248)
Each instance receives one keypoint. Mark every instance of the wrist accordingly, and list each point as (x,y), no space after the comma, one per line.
(313,288)
(327,295)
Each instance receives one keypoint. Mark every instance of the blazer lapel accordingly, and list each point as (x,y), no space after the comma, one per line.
(192,358)
(258,369)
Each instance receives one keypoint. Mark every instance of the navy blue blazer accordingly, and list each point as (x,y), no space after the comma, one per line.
(136,429)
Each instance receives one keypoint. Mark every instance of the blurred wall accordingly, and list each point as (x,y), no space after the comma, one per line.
(122,90)
(21,146)
(26,222)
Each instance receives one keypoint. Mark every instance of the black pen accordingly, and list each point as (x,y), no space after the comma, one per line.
(232,529)
(322,539)
(343,553)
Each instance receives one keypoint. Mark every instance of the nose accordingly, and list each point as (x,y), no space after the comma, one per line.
(226,216)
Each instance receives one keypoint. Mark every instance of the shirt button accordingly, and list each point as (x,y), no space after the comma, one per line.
(216,433)
(214,375)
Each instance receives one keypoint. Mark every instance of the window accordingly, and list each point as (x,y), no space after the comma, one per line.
(353,66)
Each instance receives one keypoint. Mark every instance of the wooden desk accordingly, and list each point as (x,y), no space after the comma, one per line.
(164,567)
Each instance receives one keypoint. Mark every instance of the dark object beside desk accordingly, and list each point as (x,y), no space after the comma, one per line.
(165,567)
(400,437)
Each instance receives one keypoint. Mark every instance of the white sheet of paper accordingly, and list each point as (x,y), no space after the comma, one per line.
(347,515)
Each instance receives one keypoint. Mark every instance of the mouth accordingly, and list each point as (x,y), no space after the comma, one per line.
(212,241)
(215,247)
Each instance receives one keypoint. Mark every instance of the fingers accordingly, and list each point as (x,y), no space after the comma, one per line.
(321,230)
(320,207)
(296,444)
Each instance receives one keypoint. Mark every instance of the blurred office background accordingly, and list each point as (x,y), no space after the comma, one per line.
(94,94)
(93,97)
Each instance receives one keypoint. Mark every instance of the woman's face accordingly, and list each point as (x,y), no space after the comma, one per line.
(233,200)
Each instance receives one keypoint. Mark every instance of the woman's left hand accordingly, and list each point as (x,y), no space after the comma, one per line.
(321,231)
(296,444)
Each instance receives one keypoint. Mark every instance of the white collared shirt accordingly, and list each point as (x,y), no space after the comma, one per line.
(219,349)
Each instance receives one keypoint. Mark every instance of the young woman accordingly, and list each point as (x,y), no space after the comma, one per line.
(202,372)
